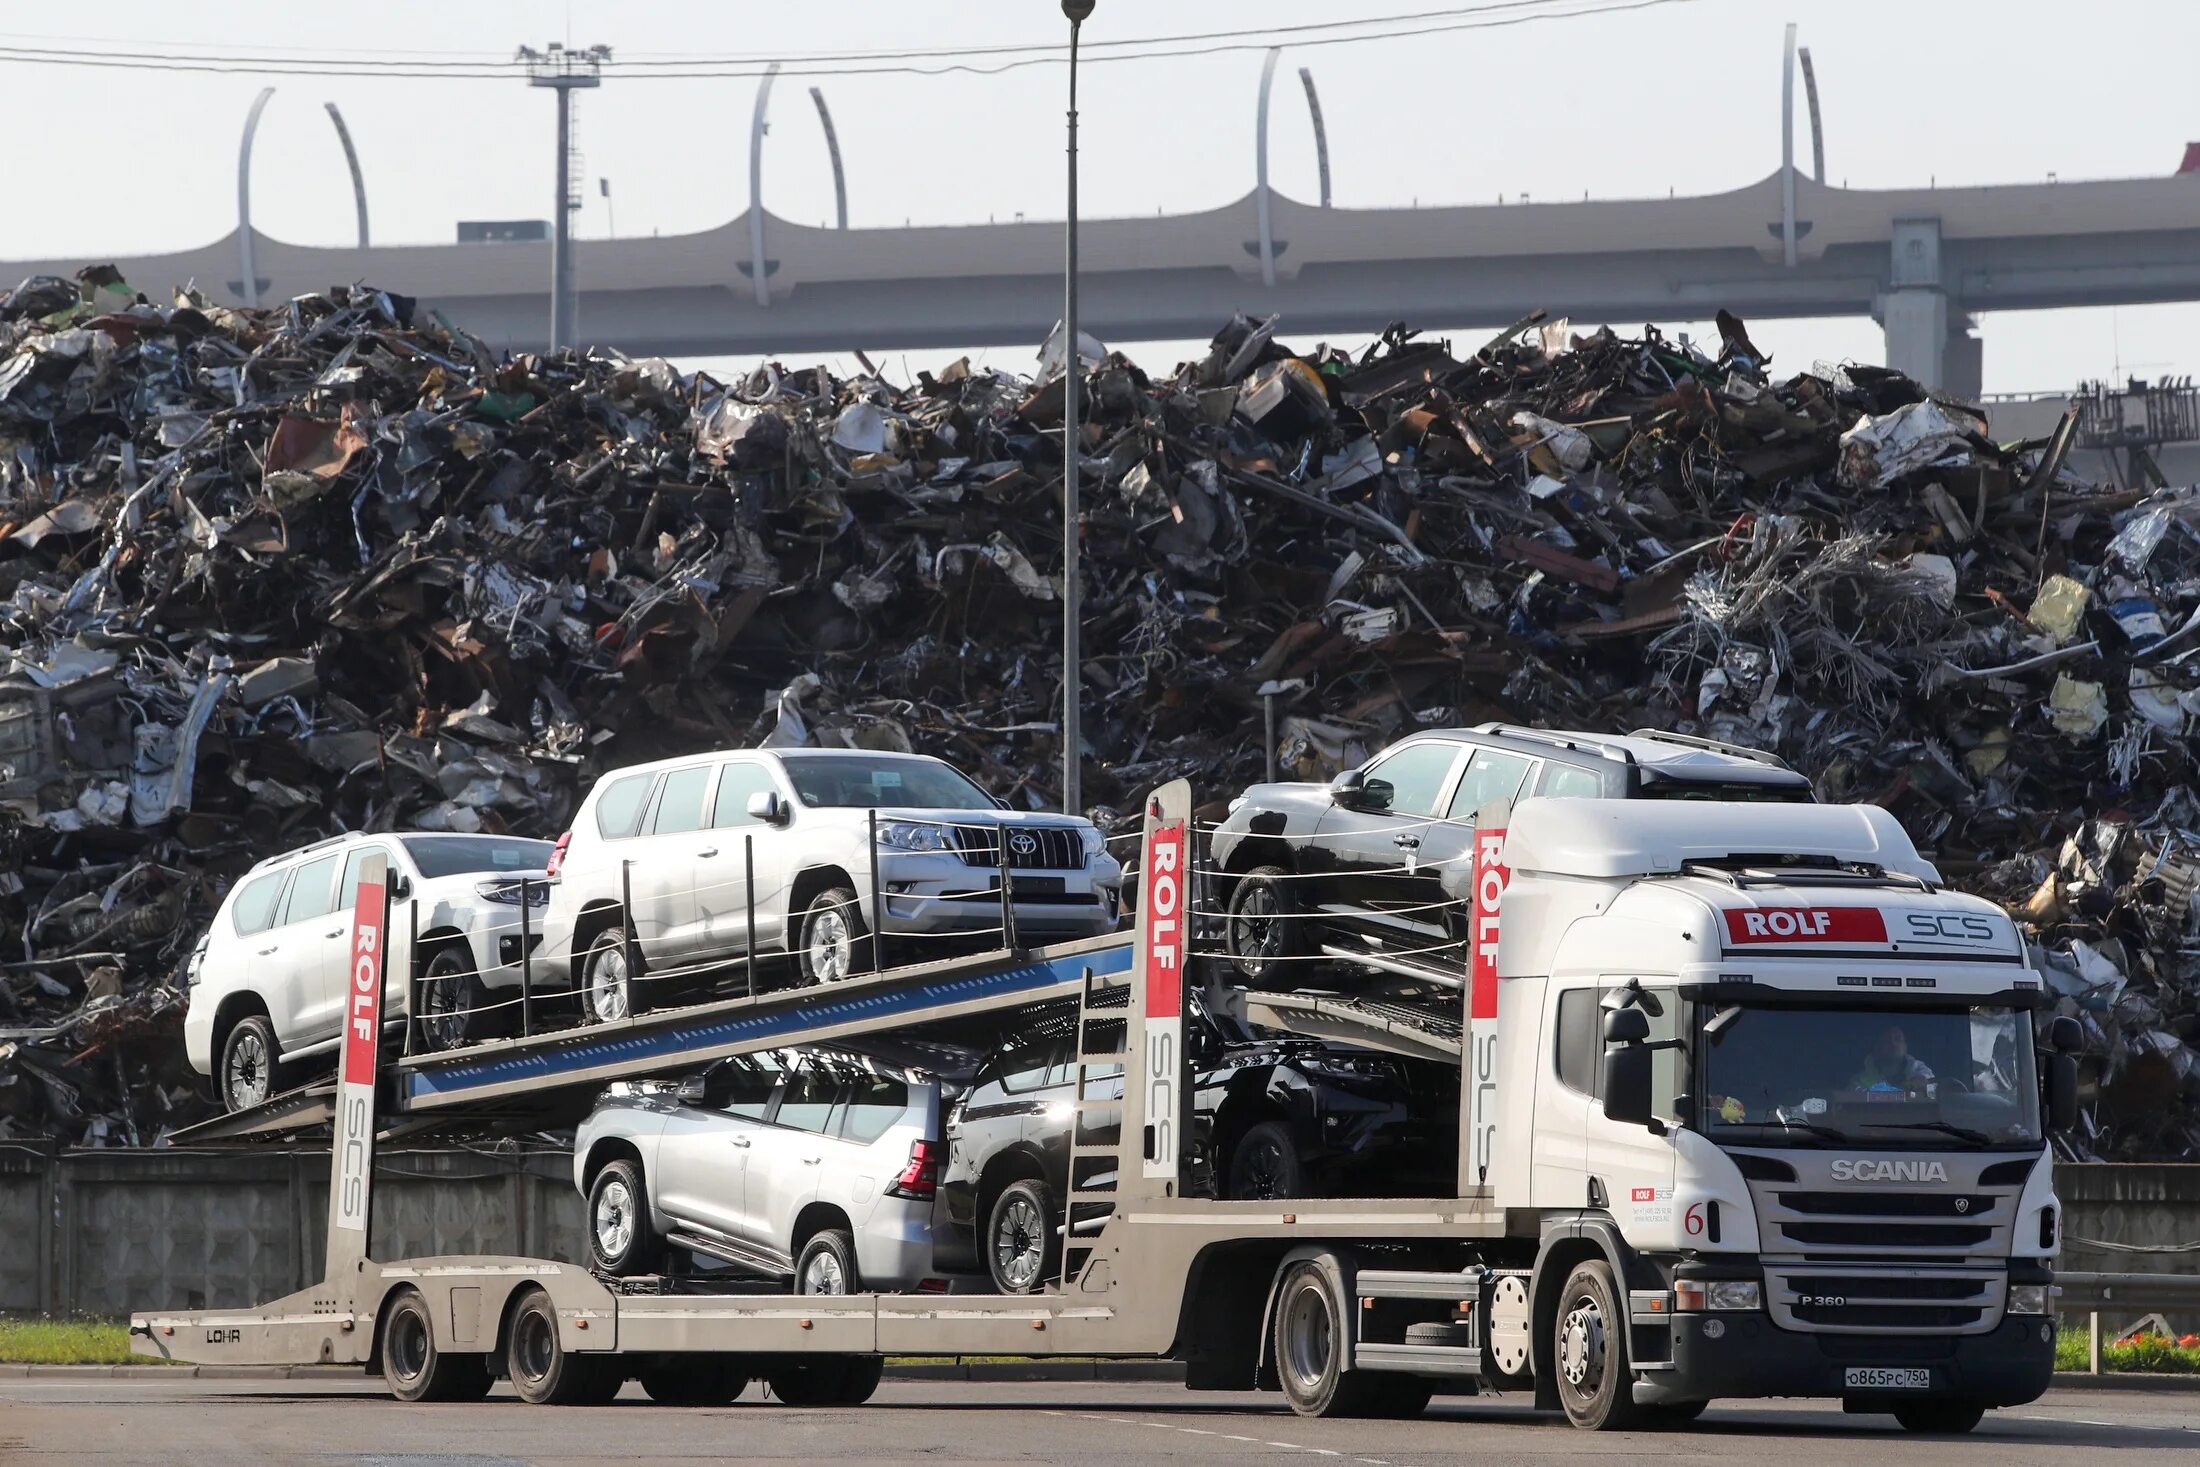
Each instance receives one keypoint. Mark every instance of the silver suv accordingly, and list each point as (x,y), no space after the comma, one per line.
(812,1166)
(672,840)
(267,977)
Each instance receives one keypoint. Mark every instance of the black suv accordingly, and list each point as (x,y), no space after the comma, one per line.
(1273,1117)
(1376,866)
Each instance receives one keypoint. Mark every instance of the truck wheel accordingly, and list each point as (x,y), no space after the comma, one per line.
(828,1265)
(418,1371)
(1939,1418)
(607,989)
(1265,1164)
(697,1380)
(620,1240)
(829,1380)
(455,1005)
(835,943)
(1261,928)
(1595,1383)
(1023,1248)
(250,1070)
(1309,1345)
(543,1371)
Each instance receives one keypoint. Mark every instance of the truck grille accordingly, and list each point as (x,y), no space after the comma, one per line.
(1874,1223)
(1860,1300)
(1050,847)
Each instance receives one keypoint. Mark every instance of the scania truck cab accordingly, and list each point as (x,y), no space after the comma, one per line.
(1790,1084)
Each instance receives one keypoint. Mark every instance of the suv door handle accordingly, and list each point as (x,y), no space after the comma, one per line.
(812,1160)
(339,932)
(711,852)
(1409,841)
(740,1141)
(266,951)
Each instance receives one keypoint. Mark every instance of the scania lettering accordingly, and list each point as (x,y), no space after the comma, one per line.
(1730,1125)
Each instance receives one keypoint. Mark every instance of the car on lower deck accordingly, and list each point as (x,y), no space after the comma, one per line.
(1273,1116)
(266,980)
(810,1167)
(1376,867)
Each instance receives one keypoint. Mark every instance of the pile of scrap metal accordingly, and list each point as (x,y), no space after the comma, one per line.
(337,564)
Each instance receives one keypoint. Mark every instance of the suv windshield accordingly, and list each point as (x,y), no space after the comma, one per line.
(883,781)
(455,855)
(1940,1080)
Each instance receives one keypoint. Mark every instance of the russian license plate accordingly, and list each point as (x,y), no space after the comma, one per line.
(1880,1378)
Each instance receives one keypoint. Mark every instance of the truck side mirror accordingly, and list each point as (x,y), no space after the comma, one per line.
(2065,1035)
(1348,790)
(2062,1089)
(1626,1026)
(1627,1067)
(768,806)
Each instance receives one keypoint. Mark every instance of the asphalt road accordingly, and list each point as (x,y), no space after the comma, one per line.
(235,1423)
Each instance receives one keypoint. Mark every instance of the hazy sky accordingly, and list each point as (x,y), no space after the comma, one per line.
(1682,96)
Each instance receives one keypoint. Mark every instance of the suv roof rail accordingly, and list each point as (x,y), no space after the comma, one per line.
(1556,739)
(1744,877)
(1714,746)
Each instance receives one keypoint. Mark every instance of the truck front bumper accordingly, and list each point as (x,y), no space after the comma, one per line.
(2006,1366)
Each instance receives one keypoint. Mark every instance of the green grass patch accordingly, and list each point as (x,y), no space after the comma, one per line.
(64,1342)
(2150,1353)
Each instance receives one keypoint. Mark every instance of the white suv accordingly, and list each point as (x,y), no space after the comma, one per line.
(267,977)
(805,1165)
(673,838)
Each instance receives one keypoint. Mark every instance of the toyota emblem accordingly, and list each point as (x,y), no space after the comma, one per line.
(1963,1204)
(1023,843)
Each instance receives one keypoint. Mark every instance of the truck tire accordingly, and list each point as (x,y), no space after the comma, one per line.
(1265,1164)
(416,1369)
(828,1380)
(696,1380)
(456,1008)
(1595,1378)
(828,1265)
(1939,1418)
(1023,1245)
(834,944)
(1310,1334)
(607,988)
(543,1371)
(1261,927)
(620,1240)
(251,1069)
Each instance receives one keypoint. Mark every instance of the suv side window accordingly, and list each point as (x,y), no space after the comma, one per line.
(746,1084)
(736,782)
(1410,781)
(1029,1069)
(874,1104)
(1566,781)
(812,1099)
(1492,774)
(312,890)
(347,890)
(680,801)
(619,812)
(1578,1043)
(256,899)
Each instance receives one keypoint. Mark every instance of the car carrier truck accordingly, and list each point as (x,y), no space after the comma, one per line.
(1751,1106)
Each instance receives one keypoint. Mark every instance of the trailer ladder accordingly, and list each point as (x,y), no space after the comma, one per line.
(1103,1044)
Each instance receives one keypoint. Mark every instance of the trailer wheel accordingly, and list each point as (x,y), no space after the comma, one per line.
(1310,1333)
(1939,1418)
(1261,929)
(835,944)
(699,1380)
(1595,1379)
(620,1240)
(1022,1247)
(829,1380)
(415,1368)
(543,1371)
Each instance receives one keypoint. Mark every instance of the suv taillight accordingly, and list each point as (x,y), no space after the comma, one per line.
(921,1177)
(557,856)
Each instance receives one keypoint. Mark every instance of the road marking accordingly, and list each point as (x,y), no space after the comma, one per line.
(1225,1436)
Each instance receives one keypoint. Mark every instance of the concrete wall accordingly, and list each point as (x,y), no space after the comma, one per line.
(108,1231)
(105,1232)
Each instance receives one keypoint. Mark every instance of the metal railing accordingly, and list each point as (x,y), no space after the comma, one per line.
(2098,1293)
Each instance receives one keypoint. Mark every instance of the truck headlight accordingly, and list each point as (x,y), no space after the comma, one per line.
(2028,1298)
(1695,1295)
(903,835)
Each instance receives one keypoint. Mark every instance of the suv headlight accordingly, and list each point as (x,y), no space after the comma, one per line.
(2028,1298)
(903,835)
(1095,842)
(1693,1295)
(508,892)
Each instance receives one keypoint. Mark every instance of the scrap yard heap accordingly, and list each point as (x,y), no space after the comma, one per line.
(265,575)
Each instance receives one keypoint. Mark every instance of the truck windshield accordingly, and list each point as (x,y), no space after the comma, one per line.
(1888,1079)
(881,782)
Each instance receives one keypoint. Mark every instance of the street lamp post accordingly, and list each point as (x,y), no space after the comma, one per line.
(1072,657)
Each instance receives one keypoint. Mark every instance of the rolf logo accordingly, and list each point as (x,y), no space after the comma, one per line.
(1023,843)
(1805,924)
(1869,1170)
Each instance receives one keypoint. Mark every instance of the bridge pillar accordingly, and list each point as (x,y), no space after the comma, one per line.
(1928,335)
